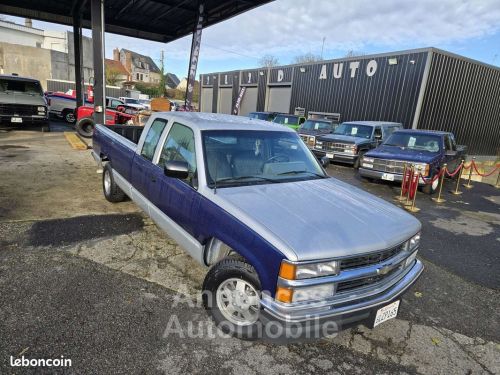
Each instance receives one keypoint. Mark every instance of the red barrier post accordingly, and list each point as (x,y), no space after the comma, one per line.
(456,191)
(414,187)
(401,197)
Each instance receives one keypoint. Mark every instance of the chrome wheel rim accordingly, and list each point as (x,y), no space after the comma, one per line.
(70,117)
(107,182)
(238,301)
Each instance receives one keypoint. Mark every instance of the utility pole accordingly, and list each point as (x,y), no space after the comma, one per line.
(162,78)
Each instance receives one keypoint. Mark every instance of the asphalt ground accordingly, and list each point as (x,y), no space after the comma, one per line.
(99,283)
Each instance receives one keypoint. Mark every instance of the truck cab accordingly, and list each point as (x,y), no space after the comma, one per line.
(313,128)
(22,102)
(351,140)
(425,149)
(292,121)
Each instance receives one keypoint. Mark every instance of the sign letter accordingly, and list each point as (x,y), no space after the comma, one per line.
(225,79)
(280,75)
(337,70)
(249,77)
(371,68)
(354,67)
(322,75)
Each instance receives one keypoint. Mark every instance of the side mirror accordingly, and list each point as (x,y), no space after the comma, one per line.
(378,137)
(176,169)
(325,161)
(451,153)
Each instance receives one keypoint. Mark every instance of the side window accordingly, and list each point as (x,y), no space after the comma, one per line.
(151,141)
(389,130)
(453,142)
(179,146)
(448,144)
(377,134)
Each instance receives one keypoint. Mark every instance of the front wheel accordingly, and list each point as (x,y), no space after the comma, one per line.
(231,295)
(69,116)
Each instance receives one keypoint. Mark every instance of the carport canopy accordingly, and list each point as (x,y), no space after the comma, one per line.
(156,20)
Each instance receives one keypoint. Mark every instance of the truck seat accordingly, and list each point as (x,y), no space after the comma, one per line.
(246,163)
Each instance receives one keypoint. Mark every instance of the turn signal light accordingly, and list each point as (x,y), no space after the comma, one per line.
(288,271)
(284,294)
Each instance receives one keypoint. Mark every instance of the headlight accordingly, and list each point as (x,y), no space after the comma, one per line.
(292,271)
(319,143)
(368,160)
(313,293)
(41,109)
(414,242)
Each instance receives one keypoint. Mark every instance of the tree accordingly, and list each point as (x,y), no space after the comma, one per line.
(268,61)
(112,76)
(306,58)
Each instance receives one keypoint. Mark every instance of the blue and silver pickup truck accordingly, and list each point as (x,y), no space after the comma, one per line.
(283,241)
(426,149)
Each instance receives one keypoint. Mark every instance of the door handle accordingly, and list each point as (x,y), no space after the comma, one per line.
(153,178)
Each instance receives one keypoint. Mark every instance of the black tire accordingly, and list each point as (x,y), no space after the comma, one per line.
(69,116)
(85,127)
(111,190)
(45,128)
(231,267)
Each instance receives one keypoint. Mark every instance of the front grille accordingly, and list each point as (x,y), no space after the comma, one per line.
(390,166)
(367,260)
(335,146)
(18,110)
(359,283)
(309,140)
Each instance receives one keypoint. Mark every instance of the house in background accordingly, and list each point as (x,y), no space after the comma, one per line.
(140,68)
(116,74)
(183,84)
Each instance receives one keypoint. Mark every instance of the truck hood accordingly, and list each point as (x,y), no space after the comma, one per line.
(17,98)
(313,132)
(344,139)
(318,219)
(397,153)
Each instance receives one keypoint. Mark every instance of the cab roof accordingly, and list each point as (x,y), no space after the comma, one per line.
(18,78)
(216,121)
(422,131)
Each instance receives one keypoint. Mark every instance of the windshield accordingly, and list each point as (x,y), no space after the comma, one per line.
(131,101)
(317,125)
(412,141)
(258,115)
(354,130)
(25,87)
(287,119)
(249,157)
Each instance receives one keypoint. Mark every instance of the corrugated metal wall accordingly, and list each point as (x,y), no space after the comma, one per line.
(463,96)
(261,97)
(390,94)
(63,86)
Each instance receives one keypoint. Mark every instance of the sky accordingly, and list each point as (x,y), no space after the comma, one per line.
(287,28)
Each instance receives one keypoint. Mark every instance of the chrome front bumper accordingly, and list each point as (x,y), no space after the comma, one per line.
(377,175)
(356,301)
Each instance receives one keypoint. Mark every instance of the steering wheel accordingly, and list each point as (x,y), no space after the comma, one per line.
(277,158)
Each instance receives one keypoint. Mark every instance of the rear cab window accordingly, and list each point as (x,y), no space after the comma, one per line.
(152,138)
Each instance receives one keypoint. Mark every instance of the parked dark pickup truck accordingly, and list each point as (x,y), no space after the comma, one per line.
(353,139)
(22,102)
(266,116)
(313,128)
(284,241)
(426,149)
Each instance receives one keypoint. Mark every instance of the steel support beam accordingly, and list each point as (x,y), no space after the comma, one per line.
(78,55)
(97,19)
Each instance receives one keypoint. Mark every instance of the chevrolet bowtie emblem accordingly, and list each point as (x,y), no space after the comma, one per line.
(383,270)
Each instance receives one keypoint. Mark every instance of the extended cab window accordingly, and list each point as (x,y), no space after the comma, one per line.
(151,141)
(179,146)
(449,144)
(377,133)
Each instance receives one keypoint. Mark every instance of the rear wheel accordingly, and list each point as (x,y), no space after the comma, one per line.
(85,127)
(231,295)
(112,191)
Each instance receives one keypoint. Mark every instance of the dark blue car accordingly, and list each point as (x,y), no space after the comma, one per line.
(426,149)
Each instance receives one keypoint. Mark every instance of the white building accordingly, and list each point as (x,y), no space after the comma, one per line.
(27,35)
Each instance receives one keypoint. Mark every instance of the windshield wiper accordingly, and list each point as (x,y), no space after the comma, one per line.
(298,172)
